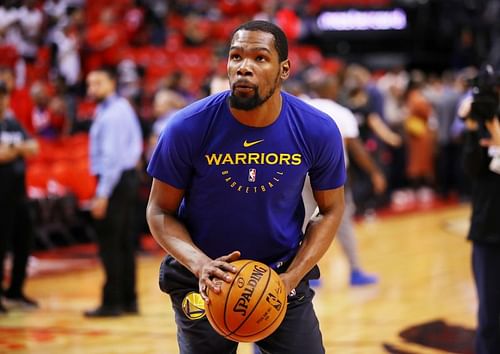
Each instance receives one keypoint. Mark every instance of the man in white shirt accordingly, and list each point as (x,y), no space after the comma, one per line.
(325,87)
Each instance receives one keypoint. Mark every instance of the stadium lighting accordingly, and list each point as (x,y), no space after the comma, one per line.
(356,20)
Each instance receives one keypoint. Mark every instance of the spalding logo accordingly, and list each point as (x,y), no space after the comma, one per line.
(193,306)
(241,305)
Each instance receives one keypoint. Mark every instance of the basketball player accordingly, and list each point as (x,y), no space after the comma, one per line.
(228,175)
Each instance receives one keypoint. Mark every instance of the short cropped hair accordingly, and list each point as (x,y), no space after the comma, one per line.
(110,72)
(280,40)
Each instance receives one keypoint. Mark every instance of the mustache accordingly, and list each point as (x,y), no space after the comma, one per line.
(244,83)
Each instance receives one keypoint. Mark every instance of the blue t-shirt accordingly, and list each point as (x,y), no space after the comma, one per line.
(243,184)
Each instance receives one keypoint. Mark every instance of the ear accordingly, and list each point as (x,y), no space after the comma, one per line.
(285,69)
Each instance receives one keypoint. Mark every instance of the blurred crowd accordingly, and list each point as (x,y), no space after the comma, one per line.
(169,53)
(76,74)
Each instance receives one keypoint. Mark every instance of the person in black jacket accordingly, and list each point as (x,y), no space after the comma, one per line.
(15,223)
(485,228)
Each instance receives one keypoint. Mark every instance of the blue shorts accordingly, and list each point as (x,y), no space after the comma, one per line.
(299,332)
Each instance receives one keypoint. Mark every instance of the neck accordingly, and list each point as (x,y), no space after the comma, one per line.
(262,116)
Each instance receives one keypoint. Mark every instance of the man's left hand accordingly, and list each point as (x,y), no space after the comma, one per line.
(99,207)
(493,127)
(7,154)
(290,282)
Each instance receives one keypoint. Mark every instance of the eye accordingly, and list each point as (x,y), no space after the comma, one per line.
(235,57)
(261,58)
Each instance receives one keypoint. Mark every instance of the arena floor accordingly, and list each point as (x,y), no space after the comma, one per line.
(424,303)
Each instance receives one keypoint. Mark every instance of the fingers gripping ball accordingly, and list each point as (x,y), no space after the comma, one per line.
(252,306)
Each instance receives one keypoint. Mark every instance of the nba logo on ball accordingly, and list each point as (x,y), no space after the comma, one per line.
(252,173)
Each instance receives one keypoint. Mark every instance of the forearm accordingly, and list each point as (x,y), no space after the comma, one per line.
(107,183)
(317,240)
(361,156)
(174,238)
(9,153)
(28,148)
(380,129)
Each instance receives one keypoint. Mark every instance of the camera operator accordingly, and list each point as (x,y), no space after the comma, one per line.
(482,134)
(493,144)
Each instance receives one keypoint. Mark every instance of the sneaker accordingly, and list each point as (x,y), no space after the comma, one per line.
(315,283)
(21,301)
(3,310)
(131,309)
(104,311)
(358,278)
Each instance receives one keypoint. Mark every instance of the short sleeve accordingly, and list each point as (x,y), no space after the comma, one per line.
(328,169)
(376,101)
(347,124)
(171,159)
(19,128)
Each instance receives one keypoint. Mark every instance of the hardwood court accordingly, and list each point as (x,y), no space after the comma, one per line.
(425,301)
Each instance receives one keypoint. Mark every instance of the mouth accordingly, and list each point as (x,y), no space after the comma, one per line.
(244,87)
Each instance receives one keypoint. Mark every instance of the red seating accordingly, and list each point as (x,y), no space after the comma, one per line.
(85,110)
(83,184)
(37,175)
(61,166)
(8,55)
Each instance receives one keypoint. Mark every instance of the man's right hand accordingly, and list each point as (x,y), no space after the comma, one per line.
(379,182)
(215,271)
(7,153)
(493,127)
(471,125)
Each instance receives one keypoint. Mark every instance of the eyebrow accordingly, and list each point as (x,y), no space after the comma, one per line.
(257,49)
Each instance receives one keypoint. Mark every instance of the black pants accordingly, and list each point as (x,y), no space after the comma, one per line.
(16,231)
(486,266)
(116,244)
(299,332)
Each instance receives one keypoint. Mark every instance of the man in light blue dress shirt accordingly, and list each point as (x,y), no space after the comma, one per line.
(115,149)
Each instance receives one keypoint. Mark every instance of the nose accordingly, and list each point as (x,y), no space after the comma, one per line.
(244,69)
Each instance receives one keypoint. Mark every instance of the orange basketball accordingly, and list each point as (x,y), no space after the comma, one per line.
(252,306)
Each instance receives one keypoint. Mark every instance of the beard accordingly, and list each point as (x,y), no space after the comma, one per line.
(247,103)
(96,99)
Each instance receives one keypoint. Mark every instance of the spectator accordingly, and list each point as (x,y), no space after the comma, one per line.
(24,33)
(115,151)
(15,222)
(49,117)
(30,27)
(393,86)
(104,41)
(421,143)
(366,101)
(444,96)
(166,103)
(66,41)
(20,100)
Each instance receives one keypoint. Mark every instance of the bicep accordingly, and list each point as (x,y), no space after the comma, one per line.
(165,197)
(329,200)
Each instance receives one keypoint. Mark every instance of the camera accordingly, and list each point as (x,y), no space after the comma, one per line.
(485,94)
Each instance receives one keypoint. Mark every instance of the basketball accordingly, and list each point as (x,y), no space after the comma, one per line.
(252,306)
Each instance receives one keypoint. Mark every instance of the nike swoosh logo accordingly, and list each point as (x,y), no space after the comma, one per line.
(251,143)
